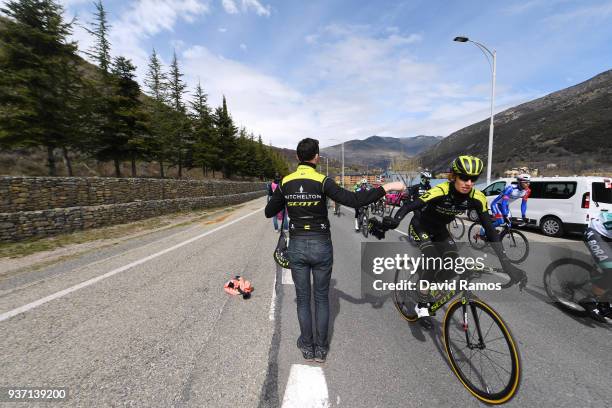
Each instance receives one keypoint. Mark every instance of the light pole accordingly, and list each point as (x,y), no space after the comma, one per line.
(326,164)
(493,66)
(342,161)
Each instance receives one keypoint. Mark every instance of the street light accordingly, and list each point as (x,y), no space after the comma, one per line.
(342,161)
(326,163)
(493,66)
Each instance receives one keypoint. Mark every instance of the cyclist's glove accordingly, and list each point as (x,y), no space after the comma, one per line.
(389,223)
(516,275)
(376,228)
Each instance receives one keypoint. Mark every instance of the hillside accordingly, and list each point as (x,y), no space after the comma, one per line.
(378,151)
(565,132)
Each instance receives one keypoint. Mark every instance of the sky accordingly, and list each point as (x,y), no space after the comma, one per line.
(338,70)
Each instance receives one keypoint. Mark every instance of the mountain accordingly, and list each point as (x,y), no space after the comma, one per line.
(378,151)
(565,132)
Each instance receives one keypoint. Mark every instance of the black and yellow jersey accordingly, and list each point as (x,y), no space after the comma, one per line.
(305,192)
(441,204)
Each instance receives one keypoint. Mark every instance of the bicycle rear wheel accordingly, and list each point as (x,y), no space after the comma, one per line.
(566,282)
(456,228)
(405,299)
(515,244)
(481,350)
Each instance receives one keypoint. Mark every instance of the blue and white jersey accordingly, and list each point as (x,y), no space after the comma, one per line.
(511,193)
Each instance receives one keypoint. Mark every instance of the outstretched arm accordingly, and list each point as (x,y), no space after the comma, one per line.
(358,199)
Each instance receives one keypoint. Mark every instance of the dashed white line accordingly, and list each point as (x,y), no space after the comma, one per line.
(273,301)
(62,293)
(306,388)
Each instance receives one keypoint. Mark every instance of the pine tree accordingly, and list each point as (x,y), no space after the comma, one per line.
(100,51)
(226,132)
(37,84)
(206,151)
(128,114)
(155,79)
(176,88)
(159,125)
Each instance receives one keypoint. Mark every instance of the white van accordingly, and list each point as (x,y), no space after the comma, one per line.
(559,205)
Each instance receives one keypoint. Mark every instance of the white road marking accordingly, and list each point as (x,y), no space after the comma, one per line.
(273,301)
(287,279)
(401,232)
(306,388)
(62,293)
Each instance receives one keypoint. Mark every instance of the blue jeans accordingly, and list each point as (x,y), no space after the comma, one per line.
(285,222)
(314,256)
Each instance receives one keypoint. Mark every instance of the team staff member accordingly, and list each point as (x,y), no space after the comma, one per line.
(304,192)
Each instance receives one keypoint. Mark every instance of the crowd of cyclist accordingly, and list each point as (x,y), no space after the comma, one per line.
(428,228)
(433,207)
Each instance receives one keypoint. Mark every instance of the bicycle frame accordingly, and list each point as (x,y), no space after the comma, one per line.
(465,295)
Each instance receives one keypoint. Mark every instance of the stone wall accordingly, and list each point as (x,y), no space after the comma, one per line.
(44,206)
(42,193)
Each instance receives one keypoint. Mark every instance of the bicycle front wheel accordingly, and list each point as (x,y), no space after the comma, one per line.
(515,244)
(481,350)
(364,225)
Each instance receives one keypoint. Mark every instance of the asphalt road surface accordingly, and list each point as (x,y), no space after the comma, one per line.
(147,324)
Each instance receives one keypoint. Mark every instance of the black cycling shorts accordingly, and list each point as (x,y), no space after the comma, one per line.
(433,242)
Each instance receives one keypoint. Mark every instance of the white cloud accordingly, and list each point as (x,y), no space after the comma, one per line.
(262,103)
(357,84)
(231,7)
(256,6)
(243,47)
(142,20)
(222,30)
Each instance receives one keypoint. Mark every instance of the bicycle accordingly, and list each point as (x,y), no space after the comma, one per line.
(469,339)
(568,280)
(514,242)
(378,208)
(362,219)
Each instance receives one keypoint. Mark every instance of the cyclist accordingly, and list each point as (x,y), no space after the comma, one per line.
(361,186)
(438,207)
(419,189)
(500,206)
(597,238)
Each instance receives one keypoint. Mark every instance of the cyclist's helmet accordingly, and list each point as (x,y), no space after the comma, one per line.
(468,165)
(523,178)
(364,181)
(425,175)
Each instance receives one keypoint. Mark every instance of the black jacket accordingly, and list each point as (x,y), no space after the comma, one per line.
(305,191)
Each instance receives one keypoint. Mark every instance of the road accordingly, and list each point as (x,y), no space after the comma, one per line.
(147,324)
